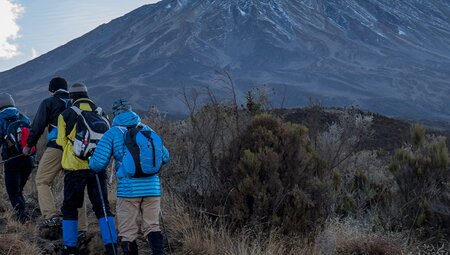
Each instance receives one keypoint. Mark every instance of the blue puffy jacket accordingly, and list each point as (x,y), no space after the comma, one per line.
(112,144)
(7,116)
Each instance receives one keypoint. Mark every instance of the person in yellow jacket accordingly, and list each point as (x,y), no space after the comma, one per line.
(49,167)
(78,176)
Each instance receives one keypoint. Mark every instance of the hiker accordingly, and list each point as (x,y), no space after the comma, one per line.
(14,130)
(139,188)
(50,163)
(72,123)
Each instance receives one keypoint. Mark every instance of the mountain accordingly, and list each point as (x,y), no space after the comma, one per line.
(391,57)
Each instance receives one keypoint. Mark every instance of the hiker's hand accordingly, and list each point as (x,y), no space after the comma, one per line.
(26,151)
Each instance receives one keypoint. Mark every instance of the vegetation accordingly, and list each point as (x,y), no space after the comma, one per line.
(245,180)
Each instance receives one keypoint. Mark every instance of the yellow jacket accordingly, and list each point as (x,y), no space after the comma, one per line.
(66,135)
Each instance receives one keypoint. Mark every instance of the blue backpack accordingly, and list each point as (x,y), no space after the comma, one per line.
(143,153)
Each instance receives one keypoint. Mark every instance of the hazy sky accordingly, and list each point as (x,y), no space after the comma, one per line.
(29,28)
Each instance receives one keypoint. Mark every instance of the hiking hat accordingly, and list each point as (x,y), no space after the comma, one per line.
(78,90)
(56,84)
(121,106)
(6,100)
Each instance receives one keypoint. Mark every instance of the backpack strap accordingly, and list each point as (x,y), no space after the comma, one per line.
(77,110)
(10,121)
(97,110)
(148,135)
(123,130)
(66,102)
(94,107)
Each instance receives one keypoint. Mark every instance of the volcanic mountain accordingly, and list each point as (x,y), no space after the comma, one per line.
(391,57)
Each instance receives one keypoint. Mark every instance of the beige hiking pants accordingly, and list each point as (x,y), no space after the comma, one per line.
(49,167)
(128,210)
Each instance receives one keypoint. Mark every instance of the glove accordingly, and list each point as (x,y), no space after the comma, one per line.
(26,151)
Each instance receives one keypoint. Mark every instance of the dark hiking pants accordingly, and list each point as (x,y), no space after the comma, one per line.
(75,183)
(17,172)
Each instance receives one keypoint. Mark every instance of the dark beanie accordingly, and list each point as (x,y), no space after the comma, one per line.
(6,100)
(121,106)
(78,90)
(56,84)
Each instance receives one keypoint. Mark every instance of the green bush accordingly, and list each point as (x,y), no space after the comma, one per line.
(422,174)
(275,178)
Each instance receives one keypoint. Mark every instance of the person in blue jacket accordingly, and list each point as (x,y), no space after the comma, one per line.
(17,168)
(135,195)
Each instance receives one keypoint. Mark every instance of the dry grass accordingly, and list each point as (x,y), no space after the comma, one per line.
(352,237)
(192,232)
(429,249)
(14,226)
(14,244)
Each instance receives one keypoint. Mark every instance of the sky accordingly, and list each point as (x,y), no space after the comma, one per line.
(30,28)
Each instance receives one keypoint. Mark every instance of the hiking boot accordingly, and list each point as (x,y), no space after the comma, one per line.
(155,239)
(130,248)
(82,241)
(52,222)
(69,250)
(111,249)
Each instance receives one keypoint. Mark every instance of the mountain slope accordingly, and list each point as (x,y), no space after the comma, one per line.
(385,56)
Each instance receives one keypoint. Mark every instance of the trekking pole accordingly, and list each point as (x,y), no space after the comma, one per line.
(104,212)
(6,160)
(165,232)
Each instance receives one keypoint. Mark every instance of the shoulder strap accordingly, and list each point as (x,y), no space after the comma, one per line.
(77,110)
(10,121)
(124,131)
(66,102)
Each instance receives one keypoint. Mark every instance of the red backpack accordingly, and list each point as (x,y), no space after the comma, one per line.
(16,137)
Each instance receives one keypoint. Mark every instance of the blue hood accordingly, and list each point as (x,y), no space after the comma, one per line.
(126,119)
(9,112)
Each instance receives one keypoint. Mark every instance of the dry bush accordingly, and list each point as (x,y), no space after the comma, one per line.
(363,186)
(344,138)
(197,144)
(353,237)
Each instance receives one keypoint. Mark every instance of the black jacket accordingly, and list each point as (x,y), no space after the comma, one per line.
(47,117)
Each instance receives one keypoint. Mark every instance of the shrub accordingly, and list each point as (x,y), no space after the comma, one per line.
(274,178)
(363,184)
(421,171)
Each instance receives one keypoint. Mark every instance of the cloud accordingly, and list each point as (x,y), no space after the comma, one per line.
(9,29)
(34,53)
